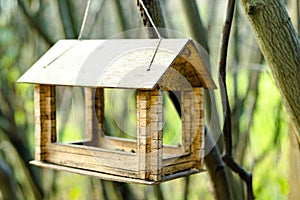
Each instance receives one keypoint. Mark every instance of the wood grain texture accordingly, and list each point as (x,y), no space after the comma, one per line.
(149,135)
(117,63)
(197,126)
(146,158)
(112,177)
(45,118)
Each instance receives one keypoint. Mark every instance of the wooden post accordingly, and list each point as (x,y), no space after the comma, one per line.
(99,109)
(94,105)
(149,133)
(197,123)
(186,100)
(192,124)
(45,118)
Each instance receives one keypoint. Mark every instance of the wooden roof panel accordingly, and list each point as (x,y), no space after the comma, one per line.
(119,63)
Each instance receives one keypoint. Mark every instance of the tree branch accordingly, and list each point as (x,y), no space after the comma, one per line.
(280,45)
(66,19)
(216,169)
(227,155)
(35,23)
(155,11)
(195,23)
(222,71)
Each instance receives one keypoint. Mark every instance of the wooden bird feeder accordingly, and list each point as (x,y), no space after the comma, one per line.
(128,64)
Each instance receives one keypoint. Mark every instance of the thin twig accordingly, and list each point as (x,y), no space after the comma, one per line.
(227,156)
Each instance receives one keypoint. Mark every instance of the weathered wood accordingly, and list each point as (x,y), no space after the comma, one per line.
(112,177)
(115,63)
(91,158)
(89,119)
(94,109)
(177,66)
(175,164)
(45,118)
(197,58)
(96,174)
(141,159)
(186,98)
(131,146)
(172,169)
(197,134)
(149,136)
(99,109)
(118,143)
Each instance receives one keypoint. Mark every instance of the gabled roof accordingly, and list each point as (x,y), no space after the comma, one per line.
(121,63)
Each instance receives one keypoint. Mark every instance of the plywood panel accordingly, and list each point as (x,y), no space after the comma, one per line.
(118,63)
(105,63)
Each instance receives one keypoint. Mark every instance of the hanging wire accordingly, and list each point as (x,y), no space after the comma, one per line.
(148,15)
(157,47)
(84,19)
(150,18)
(79,37)
(157,32)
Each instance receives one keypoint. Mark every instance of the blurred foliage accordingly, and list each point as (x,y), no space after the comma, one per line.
(261,141)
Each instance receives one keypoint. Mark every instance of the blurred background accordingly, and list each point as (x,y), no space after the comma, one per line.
(261,135)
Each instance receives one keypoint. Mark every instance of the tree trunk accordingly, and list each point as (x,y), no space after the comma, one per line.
(279,43)
(155,11)
(217,172)
(195,23)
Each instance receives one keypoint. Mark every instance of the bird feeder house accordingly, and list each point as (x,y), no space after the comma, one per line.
(150,67)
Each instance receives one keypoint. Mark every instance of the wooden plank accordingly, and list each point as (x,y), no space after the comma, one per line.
(187,157)
(105,63)
(149,136)
(174,80)
(188,70)
(196,68)
(119,143)
(197,146)
(186,107)
(91,158)
(112,177)
(45,118)
(142,99)
(89,151)
(171,169)
(89,162)
(129,58)
(89,124)
(94,109)
(90,173)
(172,151)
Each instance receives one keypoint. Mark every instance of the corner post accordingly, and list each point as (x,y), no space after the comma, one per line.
(186,100)
(197,123)
(94,105)
(149,133)
(45,119)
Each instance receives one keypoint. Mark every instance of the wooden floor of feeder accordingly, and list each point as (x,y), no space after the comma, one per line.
(113,177)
